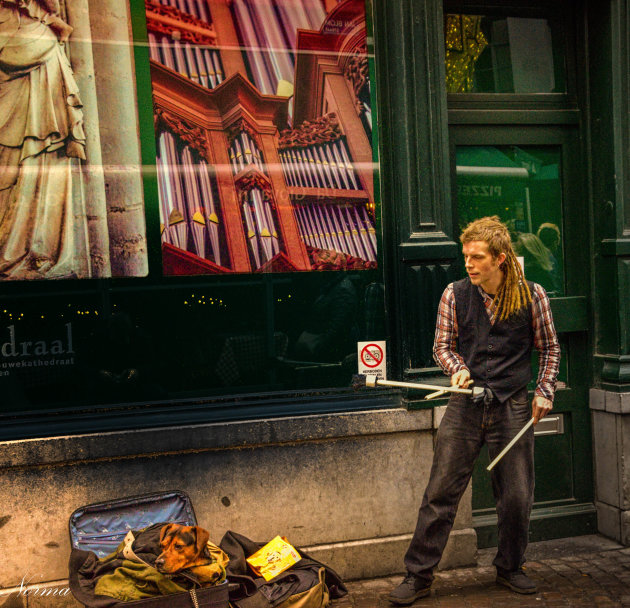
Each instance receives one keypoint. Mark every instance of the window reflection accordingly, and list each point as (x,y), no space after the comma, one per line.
(486,54)
(265,196)
(522,186)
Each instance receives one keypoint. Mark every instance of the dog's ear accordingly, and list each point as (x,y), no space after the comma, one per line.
(165,531)
(203,536)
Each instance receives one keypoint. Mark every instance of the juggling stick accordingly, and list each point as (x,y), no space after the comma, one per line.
(359,381)
(509,446)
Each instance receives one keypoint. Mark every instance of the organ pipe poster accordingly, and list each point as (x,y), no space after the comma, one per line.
(263,130)
(56,219)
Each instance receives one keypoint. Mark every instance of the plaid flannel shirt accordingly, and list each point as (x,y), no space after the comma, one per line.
(545,339)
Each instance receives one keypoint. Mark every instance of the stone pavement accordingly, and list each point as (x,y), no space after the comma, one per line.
(580,572)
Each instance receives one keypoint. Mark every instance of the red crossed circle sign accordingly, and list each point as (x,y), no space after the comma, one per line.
(371,355)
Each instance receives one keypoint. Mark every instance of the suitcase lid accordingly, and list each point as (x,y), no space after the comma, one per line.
(101,527)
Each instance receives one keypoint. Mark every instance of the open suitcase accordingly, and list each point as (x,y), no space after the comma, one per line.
(101,527)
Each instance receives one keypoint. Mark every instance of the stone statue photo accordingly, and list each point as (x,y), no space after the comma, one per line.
(53,214)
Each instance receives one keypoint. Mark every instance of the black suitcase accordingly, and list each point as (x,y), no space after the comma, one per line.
(101,527)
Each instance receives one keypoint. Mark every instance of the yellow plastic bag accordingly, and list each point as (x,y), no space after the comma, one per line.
(272,559)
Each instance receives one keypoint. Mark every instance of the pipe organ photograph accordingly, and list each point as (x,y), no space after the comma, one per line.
(263,135)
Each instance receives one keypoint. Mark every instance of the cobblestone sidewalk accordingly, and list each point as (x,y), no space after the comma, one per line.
(586,572)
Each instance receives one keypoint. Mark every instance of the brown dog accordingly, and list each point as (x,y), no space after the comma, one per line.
(183,548)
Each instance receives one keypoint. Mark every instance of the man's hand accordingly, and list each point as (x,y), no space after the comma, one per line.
(540,408)
(461,378)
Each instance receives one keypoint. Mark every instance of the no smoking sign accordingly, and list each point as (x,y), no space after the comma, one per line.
(372,358)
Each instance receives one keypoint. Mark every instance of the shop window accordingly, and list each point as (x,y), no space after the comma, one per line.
(242,248)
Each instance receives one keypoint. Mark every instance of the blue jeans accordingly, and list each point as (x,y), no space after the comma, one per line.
(466,426)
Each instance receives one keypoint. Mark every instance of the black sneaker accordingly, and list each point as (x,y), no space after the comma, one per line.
(411,589)
(517,581)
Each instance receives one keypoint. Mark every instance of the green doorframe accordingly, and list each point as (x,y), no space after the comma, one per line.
(564,486)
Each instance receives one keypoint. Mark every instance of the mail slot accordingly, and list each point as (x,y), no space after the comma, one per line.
(550,425)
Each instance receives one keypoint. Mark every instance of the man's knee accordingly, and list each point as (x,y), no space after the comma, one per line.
(516,501)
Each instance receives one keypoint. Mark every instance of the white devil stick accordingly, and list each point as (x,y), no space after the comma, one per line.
(359,381)
(508,447)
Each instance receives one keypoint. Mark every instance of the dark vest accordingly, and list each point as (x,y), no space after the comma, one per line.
(498,356)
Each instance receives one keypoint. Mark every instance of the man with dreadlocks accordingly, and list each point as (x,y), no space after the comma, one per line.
(487,325)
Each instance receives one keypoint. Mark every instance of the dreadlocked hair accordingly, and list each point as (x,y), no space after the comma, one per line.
(514,293)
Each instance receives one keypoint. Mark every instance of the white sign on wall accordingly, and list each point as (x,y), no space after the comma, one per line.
(372,358)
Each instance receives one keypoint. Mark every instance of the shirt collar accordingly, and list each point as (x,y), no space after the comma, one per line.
(483,294)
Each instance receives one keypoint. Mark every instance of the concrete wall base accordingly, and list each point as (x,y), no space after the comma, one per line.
(613,522)
(345,487)
(611,446)
(383,556)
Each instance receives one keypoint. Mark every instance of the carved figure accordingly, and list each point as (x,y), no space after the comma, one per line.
(41,130)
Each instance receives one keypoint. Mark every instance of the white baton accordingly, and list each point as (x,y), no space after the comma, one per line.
(508,447)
